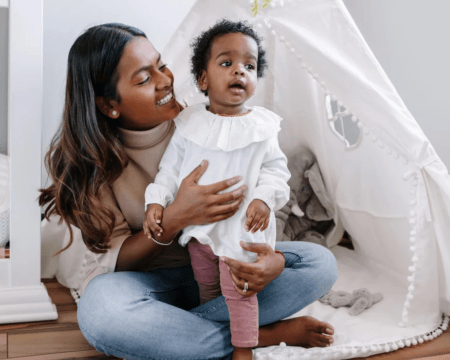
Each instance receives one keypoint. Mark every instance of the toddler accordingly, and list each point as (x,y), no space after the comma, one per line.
(236,140)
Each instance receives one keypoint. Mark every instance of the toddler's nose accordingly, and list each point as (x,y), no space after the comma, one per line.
(239,70)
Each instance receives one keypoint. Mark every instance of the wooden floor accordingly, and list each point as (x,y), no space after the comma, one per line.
(62,339)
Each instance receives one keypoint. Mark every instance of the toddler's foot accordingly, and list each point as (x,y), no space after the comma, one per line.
(304,331)
(242,354)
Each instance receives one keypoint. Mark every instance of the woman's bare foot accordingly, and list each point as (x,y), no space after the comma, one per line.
(304,331)
(242,354)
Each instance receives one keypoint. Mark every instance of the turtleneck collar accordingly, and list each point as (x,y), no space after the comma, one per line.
(139,140)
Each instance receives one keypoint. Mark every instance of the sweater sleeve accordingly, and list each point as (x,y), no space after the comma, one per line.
(272,187)
(163,190)
(77,265)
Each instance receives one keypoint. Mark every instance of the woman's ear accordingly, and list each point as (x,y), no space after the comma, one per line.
(203,81)
(107,107)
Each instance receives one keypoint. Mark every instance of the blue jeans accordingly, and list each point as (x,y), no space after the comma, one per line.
(154,315)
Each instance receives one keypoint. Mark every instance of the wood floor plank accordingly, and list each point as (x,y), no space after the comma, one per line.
(91,354)
(41,343)
(439,357)
(3,346)
(59,294)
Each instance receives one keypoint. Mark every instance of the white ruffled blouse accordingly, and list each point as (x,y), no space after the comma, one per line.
(245,145)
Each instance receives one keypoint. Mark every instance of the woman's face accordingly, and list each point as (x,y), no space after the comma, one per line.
(145,87)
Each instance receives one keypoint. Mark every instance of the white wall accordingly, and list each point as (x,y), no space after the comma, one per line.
(3,80)
(65,20)
(410,40)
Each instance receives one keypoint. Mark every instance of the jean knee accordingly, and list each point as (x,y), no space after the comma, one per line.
(319,261)
(96,306)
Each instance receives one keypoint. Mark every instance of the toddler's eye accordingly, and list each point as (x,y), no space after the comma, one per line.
(226,63)
(250,67)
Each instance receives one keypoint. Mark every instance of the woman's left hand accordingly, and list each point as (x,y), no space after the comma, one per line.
(258,274)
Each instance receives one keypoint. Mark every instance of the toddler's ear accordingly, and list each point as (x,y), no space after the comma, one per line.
(202,81)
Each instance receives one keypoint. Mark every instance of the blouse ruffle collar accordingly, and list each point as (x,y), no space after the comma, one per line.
(216,132)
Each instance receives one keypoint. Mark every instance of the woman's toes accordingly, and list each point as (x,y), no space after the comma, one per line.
(326,328)
(323,340)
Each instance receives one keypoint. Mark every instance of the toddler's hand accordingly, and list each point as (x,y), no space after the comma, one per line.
(153,217)
(257,216)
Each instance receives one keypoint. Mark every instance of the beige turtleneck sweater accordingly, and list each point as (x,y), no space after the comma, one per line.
(76,266)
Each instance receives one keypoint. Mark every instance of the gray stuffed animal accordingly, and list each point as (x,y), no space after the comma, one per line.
(309,211)
(360,300)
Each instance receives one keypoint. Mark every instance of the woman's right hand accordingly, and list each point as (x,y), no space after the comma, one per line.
(201,204)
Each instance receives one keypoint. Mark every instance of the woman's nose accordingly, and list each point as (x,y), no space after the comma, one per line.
(164,81)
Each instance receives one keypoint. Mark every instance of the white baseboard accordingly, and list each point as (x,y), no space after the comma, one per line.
(26,304)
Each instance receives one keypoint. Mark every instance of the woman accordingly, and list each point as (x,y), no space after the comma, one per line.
(139,296)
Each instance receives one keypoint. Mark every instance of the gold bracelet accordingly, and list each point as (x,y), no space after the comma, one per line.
(162,244)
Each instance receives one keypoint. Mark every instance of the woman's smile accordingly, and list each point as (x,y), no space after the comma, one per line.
(166,99)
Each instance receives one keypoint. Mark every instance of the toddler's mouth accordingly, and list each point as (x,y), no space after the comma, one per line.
(237,89)
(238,85)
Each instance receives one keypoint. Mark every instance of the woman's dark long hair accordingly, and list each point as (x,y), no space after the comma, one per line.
(86,154)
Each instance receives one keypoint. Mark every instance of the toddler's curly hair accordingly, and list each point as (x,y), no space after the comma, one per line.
(201,46)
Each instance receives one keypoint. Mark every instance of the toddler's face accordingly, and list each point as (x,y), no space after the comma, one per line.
(231,73)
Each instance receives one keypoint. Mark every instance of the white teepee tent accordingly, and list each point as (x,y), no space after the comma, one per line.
(390,190)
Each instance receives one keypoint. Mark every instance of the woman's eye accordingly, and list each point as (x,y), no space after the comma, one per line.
(145,81)
(226,63)
(162,67)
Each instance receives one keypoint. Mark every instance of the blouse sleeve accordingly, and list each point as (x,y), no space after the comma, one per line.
(272,187)
(163,190)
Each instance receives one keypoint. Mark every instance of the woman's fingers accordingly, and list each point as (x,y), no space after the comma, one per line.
(246,270)
(222,212)
(259,248)
(228,196)
(197,172)
(201,204)
(248,293)
(224,184)
(240,269)
(240,283)
(223,216)
(231,206)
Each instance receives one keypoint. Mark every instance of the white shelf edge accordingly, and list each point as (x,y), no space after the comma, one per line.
(4,3)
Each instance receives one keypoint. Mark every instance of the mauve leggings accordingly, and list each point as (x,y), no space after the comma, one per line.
(212,275)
